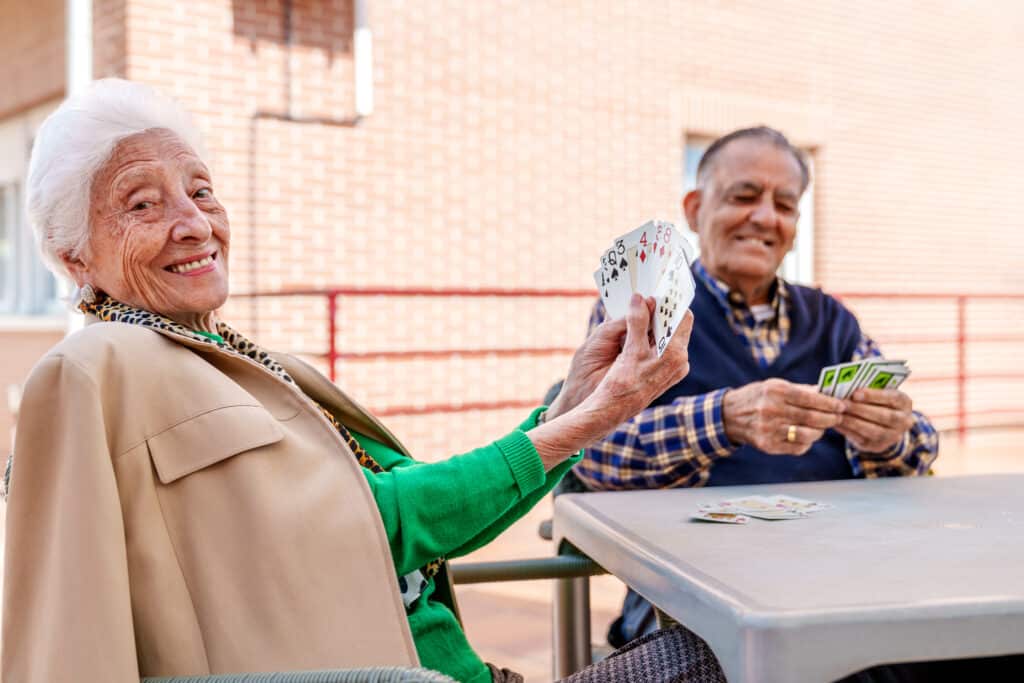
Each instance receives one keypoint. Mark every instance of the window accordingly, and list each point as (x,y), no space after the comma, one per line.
(798,266)
(26,287)
(6,250)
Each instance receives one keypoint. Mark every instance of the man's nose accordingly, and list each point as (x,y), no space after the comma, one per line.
(764,213)
(189,223)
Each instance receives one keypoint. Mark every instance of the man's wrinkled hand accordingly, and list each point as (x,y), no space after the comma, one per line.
(780,417)
(875,420)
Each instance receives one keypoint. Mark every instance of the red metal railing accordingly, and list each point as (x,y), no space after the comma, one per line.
(959,375)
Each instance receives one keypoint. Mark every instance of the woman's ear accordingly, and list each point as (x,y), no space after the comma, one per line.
(76,267)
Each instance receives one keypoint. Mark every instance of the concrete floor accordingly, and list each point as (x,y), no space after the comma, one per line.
(510,623)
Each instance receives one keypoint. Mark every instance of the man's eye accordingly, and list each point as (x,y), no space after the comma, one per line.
(744,197)
(202,193)
(142,206)
(785,208)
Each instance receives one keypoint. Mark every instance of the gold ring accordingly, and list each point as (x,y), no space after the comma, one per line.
(791,434)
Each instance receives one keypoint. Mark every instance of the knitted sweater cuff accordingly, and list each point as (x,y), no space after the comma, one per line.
(523,460)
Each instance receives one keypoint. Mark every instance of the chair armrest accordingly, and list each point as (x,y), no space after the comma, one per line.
(558,567)
(380,674)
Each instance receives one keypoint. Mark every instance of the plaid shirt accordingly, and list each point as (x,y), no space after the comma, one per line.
(676,445)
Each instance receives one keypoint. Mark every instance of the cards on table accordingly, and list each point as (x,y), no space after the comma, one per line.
(653,260)
(739,510)
(871,373)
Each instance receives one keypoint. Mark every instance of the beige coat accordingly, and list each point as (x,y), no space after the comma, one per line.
(176,509)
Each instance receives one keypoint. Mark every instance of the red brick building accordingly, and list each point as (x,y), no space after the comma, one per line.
(509,141)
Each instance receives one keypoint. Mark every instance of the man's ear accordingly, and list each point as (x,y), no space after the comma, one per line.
(691,205)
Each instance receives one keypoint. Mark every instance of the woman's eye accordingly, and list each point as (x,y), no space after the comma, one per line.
(202,193)
(142,206)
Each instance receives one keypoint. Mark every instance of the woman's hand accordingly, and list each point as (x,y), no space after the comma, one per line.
(590,364)
(610,386)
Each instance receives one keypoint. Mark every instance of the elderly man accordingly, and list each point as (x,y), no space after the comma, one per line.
(748,412)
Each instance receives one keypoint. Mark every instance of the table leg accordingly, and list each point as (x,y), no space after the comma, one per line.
(571,626)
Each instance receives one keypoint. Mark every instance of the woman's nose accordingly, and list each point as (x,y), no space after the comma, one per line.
(189,223)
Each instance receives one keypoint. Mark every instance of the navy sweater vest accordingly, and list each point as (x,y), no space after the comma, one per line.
(822,332)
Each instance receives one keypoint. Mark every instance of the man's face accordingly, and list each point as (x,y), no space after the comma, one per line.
(745,214)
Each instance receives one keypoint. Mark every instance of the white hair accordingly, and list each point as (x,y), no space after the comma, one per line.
(71,147)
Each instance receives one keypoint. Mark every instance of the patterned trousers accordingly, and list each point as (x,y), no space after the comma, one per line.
(672,655)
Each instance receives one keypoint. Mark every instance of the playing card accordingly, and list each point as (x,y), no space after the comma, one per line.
(615,282)
(746,504)
(792,503)
(778,514)
(876,366)
(827,380)
(723,517)
(615,293)
(673,297)
(887,379)
(846,376)
(654,243)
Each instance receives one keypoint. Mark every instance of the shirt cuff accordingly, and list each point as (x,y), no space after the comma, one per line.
(522,458)
(705,428)
(894,451)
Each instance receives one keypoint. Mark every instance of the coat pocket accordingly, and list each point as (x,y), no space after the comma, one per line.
(209,438)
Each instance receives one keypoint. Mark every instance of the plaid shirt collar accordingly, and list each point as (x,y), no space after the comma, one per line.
(765,338)
(732,302)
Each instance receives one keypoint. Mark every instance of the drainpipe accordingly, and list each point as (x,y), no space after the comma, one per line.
(362,53)
(77,75)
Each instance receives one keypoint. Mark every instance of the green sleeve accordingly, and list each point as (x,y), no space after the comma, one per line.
(452,507)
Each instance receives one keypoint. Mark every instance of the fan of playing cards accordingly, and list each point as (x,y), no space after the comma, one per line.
(871,373)
(653,260)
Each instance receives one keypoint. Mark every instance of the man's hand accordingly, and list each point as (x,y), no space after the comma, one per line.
(875,420)
(761,414)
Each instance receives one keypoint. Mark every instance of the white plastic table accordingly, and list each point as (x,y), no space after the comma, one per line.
(901,569)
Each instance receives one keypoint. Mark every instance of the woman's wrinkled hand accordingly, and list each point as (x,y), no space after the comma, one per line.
(613,376)
(590,364)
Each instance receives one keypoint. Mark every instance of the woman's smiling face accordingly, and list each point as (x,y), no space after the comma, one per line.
(158,237)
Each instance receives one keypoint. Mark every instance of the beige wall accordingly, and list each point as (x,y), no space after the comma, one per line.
(511,141)
(31,53)
(21,350)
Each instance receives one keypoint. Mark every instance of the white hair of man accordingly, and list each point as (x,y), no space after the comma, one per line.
(71,147)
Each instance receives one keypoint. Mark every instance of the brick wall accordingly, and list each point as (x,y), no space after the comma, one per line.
(511,141)
(31,54)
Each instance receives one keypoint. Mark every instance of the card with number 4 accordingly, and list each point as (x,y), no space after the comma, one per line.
(652,260)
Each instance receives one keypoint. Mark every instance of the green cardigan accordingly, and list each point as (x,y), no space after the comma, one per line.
(451,508)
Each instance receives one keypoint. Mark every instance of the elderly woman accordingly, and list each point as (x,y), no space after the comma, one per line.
(185,502)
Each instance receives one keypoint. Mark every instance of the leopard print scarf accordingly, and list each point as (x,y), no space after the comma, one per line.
(110,310)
